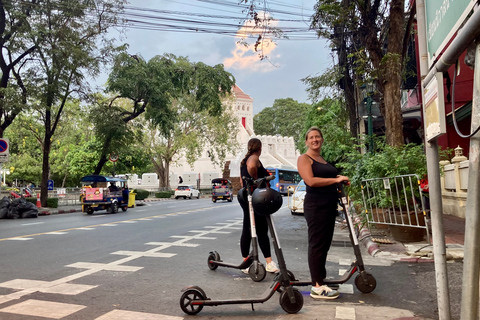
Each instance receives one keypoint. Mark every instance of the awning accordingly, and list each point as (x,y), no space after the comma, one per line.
(460,113)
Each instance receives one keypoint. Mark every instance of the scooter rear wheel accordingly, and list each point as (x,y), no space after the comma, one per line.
(289,307)
(188,297)
(213,256)
(261,272)
(366,285)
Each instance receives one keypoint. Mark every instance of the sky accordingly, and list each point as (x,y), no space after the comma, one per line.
(170,26)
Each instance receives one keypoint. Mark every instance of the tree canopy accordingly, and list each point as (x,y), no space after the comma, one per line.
(286,118)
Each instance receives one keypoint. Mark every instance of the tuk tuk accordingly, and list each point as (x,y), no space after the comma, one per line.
(222,190)
(104,193)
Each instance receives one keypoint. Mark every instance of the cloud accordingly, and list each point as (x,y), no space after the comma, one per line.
(244,56)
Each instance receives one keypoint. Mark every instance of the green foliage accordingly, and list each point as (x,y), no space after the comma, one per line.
(141,194)
(31,200)
(164,194)
(330,116)
(285,118)
(52,203)
(387,161)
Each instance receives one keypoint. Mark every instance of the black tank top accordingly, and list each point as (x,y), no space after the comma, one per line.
(261,172)
(323,170)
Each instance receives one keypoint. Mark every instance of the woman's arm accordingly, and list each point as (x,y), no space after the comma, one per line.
(252,166)
(304,165)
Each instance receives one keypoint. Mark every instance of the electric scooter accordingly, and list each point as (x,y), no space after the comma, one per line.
(256,270)
(194,298)
(364,281)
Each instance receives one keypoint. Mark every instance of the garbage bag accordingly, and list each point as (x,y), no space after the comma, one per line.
(32,213)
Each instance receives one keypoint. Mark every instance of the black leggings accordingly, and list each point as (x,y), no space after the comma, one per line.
(261,226)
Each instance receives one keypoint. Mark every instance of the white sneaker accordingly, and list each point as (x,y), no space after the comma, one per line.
(246,270)
(272,267)
(324,292)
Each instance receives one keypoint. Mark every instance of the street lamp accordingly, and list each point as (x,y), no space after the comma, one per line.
(368,90)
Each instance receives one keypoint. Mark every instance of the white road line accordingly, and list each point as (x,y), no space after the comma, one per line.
(31,224)
(44,309)
(56,233)
(345,313)
(20,239)
(124,315)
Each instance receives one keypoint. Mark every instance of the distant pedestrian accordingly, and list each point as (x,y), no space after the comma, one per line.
(180,180)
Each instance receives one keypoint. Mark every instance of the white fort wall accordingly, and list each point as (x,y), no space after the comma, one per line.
(277,151)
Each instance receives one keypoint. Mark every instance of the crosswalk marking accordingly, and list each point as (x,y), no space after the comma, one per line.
(46,309)
(128,315)
(345,313)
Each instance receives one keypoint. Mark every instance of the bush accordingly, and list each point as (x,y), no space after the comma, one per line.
(163,194)
(32,200)
(141,194)
(387,161)
(52,202)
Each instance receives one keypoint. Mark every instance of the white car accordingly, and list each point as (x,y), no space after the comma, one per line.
(295,200)
(186,192)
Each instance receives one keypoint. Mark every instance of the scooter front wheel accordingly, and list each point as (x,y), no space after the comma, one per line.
(188,298)
(259,275)
(287,305)
(213,256)
(365,283)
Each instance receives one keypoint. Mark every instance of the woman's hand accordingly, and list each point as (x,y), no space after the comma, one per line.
(343,179)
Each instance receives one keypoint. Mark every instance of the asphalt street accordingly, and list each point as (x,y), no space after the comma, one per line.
(134,264)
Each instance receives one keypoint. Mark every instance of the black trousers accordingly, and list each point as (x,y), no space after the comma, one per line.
(261,226)
(320,212)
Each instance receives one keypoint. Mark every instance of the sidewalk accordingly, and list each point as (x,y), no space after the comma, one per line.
(382,244)
(78,208)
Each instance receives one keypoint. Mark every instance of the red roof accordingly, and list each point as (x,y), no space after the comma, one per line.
(240,94)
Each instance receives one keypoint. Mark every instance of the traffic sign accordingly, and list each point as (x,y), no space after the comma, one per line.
(113,156)
(4,152)
(50,184)
(4,146)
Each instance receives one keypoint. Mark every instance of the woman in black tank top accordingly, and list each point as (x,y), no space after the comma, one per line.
(251,167)
(320,209)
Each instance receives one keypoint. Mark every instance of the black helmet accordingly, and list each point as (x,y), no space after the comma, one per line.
(242,196)
(266,201)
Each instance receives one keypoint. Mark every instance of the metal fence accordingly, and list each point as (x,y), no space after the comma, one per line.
(395,201)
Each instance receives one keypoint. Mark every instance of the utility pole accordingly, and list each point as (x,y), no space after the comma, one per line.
(436,209)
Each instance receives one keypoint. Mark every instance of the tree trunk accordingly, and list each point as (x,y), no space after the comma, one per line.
(393,65)
(393,111)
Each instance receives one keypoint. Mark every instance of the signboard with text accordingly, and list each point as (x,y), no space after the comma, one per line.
(443,18)
(434,113)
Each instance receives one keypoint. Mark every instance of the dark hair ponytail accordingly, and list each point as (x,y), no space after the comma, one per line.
(254,145)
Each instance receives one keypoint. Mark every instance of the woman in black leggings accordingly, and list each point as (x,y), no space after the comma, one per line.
(320,209)
(251,167)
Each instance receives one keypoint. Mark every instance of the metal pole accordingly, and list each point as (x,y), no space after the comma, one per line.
(436,209)
(370,122)
(471,260)
(469,32)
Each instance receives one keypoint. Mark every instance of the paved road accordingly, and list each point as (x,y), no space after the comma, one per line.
(133,265)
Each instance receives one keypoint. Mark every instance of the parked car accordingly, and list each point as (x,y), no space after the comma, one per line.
(186,192)
(296,197)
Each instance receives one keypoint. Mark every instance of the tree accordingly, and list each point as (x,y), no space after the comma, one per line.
(286,118)
(331,117)
(163,90)
(194,131)
(69,40)
(14,28)
(374,33)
